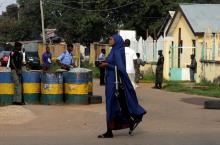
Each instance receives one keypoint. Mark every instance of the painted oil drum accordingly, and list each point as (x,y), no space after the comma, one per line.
(31,86)
(51,88)
(90,83)
(76,86)
(6,88)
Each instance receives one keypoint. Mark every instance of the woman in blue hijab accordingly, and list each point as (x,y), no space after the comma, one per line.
(123,110)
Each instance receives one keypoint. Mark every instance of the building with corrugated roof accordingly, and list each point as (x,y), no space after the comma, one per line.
(194,29)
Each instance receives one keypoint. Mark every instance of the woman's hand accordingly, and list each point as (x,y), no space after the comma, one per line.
(103,65)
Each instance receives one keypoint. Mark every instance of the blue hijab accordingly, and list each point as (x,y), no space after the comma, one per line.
(117,58)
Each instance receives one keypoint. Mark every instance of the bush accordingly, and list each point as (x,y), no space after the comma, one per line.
(95,70)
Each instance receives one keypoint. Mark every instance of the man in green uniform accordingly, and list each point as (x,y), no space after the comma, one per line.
(159,71)
(138,62)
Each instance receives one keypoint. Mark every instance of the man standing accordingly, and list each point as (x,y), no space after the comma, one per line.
(130,57)
(102,70)
(138,63)
(46,58)
(16,65)
(159,71)
(87,53)
(65,60)
(192,67)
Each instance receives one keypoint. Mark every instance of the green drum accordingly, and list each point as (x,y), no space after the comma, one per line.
(6,88)
(51,88)
(76,86)
(31,86)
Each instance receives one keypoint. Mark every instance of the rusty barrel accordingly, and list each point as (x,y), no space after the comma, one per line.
(51,88)
(76,86)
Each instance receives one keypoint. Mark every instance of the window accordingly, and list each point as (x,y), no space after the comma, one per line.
(193,45)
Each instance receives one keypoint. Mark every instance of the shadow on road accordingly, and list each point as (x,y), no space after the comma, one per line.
(195,101)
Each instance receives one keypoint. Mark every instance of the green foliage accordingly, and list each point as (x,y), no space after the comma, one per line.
(149,76)
(95,70)
(75,23)
(204,88)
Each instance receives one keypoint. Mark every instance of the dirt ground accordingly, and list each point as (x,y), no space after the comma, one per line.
(172,119)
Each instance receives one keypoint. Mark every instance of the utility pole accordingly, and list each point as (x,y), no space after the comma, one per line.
(42,21)
(82,4)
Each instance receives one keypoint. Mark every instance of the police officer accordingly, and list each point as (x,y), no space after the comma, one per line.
(65,60)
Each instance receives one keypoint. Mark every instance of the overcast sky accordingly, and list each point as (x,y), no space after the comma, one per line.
(4,4)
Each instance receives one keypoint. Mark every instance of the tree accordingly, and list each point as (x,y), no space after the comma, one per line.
(11,11)
(86,22)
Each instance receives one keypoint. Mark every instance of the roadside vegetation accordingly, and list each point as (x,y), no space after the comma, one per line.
(203,88)
(149,77)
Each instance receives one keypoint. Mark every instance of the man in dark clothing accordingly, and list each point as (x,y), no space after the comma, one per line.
(159,71)
(16,66)
(46,58)
(138,62)
(192,67)
(102,70)
(87,53)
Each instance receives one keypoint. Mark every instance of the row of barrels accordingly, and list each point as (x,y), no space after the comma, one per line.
(73,87)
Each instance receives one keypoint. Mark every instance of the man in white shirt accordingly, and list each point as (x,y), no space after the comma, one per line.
(130,56)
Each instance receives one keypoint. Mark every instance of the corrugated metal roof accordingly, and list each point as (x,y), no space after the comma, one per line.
(202,17)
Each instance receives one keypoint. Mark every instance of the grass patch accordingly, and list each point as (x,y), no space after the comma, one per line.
(148,77)
(209,89)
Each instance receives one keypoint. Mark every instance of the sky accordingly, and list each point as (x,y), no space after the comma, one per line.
(4,4)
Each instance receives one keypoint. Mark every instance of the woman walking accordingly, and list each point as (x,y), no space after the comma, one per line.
(122,108)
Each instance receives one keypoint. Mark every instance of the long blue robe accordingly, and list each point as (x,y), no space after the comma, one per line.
(117,118)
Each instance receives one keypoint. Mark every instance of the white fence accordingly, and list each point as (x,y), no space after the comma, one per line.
(148,48)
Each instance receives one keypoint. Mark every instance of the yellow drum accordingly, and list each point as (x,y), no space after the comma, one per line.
(76,88)
(51,88)
(6,88)
(31,86)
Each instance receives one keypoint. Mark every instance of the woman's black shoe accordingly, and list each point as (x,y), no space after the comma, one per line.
(106,135)
(18,103)
(134,123)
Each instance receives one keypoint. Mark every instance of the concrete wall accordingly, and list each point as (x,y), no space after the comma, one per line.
(167,63)
(211,72)
(95,50)
(30,47)
(148,68)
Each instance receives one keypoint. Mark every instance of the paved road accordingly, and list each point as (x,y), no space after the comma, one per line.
(172,119)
